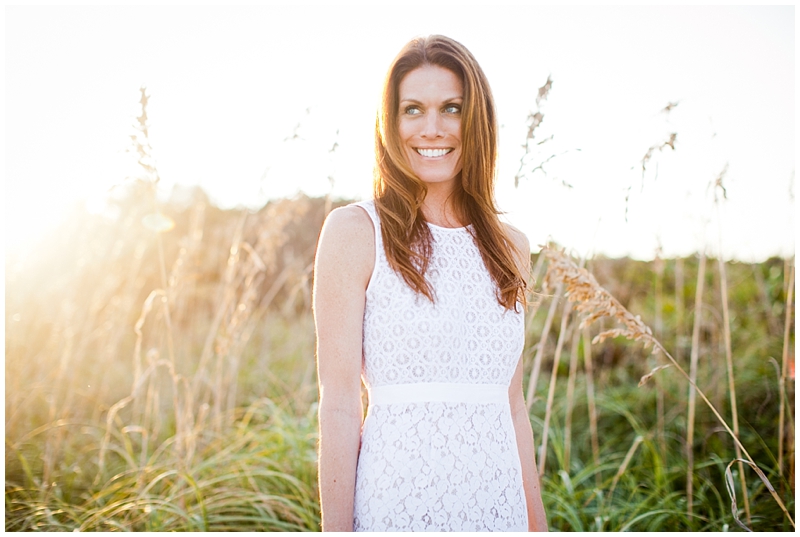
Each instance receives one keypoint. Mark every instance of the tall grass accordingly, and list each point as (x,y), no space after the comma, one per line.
(726,330)
(595,303)
(784,377)
(695,356)
(126,417)
(160,377)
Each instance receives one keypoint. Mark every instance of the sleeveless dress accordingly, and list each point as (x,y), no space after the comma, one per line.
(438,448)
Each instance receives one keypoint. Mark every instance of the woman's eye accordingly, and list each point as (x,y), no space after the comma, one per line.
(452,109)
(412,110)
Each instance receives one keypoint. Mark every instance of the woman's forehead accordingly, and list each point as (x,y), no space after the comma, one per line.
(428,81)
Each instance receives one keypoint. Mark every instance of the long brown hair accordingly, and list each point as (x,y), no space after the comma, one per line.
(399,193)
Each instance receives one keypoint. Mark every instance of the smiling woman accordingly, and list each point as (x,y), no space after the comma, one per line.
(446,73)
(429,125)
(418,292)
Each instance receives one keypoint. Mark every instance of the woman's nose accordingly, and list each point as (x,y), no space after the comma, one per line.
(432,126)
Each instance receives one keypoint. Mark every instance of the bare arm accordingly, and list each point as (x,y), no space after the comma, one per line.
(537,519)
(344,263)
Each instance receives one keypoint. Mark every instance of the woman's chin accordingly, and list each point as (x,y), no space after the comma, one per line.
(433,178)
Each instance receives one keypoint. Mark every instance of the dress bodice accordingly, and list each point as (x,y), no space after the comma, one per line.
(464,336)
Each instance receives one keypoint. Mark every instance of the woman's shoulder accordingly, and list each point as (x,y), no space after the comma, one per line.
(350,220)
(518,238)
(522,247)
(348,231)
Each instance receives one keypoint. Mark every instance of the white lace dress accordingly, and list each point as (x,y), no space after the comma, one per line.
(438,449)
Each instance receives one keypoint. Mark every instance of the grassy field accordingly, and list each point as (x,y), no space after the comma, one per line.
(166,381)
(160,376)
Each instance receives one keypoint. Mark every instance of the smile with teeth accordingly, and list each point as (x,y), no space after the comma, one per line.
(432,153)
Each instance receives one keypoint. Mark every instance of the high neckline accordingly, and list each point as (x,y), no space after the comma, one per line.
(449,228)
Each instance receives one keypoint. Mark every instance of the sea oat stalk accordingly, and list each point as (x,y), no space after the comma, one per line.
(698,307)
(784,368)
(537,360)
(659,325)
(590,401)
(573,372)
(719,188)
(548,413)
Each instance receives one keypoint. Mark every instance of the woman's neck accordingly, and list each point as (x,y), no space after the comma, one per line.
(439,206)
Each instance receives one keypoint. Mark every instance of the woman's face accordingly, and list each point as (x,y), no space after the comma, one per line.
(429,123)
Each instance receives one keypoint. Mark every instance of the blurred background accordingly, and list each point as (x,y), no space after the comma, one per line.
(167,172)
(248,101)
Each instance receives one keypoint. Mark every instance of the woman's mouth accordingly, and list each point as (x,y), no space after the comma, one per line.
(433,153)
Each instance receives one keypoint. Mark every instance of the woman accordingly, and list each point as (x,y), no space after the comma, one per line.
(421,291)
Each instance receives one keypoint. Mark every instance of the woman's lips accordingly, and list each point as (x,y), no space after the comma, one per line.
(433,153)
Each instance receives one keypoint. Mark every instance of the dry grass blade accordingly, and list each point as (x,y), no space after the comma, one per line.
(652,372)
(573,371)
(552,391)
(659,329)
(727,332)
(678,308)
(537,360)
(784,368)
(590,401)
(698,304)
(595,302)
(732,492)
(625,462)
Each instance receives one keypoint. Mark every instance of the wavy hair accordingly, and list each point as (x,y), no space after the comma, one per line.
(399,193)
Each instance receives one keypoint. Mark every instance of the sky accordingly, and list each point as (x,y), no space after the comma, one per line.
(247,102)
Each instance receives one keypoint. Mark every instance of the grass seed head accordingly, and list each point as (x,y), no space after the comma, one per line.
(592,300)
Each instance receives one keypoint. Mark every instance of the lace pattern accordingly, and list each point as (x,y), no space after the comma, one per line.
(464,337)
(439,465)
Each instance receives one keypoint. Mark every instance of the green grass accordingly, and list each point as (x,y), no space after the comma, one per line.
(261,475)
(249,463)
(650,494)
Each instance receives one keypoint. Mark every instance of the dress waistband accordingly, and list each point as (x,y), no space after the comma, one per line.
(438,392)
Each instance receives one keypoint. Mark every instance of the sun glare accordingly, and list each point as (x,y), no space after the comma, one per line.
(29,220)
